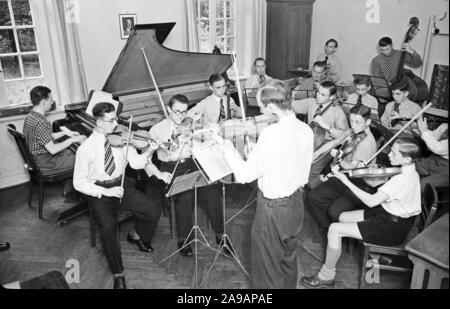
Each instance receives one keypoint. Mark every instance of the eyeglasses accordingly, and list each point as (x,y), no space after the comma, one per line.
(180,113)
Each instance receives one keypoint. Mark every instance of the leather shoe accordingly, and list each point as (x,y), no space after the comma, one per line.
(4,246)
(186,251)
(119,283)
(148,244)
(314,282)
(141,245)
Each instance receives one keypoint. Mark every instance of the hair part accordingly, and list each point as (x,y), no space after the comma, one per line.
(100,109)
(39,93)
(332,41)
(409,147)
(362,110)
(332,88)
(276,92)
(215,78)
(178,98)
(320,64)
(385,41)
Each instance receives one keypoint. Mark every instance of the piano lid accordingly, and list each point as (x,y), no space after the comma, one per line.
(171,68)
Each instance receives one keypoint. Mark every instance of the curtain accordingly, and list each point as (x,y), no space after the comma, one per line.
(60,49)
(191,30)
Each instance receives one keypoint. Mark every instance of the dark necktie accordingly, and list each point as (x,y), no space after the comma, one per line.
(318,111)
(261,79)
(222,111)
(397,107)
(387,69)
(359,102)
(110,166)
(326,60)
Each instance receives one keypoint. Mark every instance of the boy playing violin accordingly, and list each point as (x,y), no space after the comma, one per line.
(389,218)
(331,198)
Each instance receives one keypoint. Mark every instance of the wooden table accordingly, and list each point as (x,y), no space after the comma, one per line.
(429,251)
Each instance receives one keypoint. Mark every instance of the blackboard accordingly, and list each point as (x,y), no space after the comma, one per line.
(439,87)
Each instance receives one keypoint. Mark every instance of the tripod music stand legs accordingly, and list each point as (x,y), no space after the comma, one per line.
(225,243)
(195,230)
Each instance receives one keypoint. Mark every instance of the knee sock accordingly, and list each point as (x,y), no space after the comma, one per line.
(328,270)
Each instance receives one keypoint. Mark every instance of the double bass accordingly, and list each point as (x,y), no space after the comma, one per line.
(418,89)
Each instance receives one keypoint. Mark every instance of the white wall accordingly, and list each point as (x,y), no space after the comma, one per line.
(345,20)
(100,33)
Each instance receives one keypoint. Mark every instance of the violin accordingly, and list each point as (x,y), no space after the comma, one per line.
(374,175)
(139,139)
(319,132)
(349,145)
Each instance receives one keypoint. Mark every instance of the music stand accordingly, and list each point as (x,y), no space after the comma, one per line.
(181,184)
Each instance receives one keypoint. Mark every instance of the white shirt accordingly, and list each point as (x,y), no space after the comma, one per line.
(162,132)
(253,81)
(281,159)
(209,108)
(407,109)
(432,139)
(404,193)
(90,164)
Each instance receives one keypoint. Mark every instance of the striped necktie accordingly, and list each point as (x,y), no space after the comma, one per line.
(110,166)
(387,69)
(222,111)
(397,107)
(318,111)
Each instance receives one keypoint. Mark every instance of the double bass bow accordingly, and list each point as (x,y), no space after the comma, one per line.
(418,89)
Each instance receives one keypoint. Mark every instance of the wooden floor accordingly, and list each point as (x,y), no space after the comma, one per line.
(40,246)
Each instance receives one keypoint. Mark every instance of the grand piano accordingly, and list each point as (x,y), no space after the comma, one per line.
(130,83)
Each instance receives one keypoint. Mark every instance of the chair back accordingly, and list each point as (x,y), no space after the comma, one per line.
(30,163)
(429,205)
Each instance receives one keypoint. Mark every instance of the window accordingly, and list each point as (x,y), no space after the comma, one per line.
(19,51)
(216,25)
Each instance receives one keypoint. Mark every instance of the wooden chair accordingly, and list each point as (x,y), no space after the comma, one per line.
(429,204)
(36,176)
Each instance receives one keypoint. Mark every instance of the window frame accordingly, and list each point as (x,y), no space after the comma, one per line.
(4,98)
(213,21)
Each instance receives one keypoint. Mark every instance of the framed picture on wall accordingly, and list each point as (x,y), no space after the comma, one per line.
(126,23)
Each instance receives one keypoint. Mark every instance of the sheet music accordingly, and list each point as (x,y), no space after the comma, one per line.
(187,182)
(98,97)
(210,157)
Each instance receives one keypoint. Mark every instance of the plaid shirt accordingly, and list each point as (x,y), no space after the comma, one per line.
(38,132)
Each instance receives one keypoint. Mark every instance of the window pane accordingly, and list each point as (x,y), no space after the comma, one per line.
(7,43)
(220,10)
(11,67)
(31,65)
(205,46)
(230,45)
(5,17)
(27,40)
(204,9)
(220,27)
(229,9)
(230,27)
(22,12)
(17,92)
(203,28)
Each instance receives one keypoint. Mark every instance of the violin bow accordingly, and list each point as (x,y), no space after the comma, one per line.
(126,154)
(398,133)
(238,85)
(154,83)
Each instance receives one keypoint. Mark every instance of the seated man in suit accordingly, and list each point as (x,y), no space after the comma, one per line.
(326,114)
(308,87)
(258,79)
(215,108)
(362,96)
(400,108)
(49,154)
(334,67)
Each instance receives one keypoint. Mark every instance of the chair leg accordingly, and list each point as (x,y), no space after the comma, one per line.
(362,280)
(30,194)
(41,199)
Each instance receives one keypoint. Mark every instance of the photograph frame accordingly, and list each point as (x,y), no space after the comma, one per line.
(126,24)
